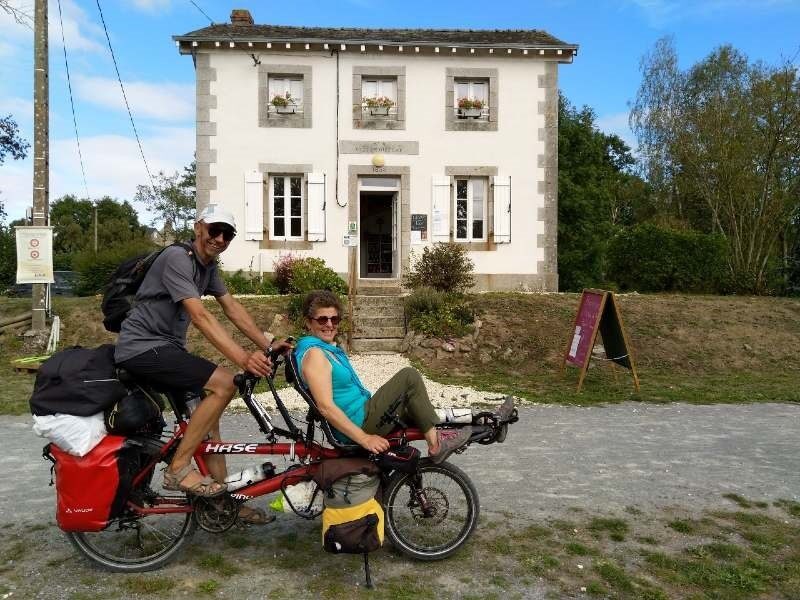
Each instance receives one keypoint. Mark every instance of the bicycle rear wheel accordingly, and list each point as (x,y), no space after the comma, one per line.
(133,543)
(432,513)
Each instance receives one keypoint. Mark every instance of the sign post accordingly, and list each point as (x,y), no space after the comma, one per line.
(598,313)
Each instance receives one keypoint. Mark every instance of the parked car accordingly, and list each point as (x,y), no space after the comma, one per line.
(64,285)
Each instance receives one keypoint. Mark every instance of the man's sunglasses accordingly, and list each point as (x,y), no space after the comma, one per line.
(227,232)
(324,320)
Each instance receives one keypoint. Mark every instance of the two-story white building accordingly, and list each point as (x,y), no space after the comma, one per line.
(362,146)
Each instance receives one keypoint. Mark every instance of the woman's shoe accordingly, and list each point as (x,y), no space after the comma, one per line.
(450,440)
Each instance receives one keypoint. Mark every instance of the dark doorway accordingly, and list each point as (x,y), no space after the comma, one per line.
(376,224)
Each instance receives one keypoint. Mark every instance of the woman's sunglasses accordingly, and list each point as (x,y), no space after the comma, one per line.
(227,232)
(324,320)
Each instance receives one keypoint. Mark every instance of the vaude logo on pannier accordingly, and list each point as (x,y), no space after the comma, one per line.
(70,511)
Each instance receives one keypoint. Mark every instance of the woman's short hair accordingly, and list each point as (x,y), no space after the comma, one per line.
(317,299)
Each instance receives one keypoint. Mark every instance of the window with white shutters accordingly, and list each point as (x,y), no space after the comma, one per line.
(469,209)
(289,89)
(286,207)
(471,98)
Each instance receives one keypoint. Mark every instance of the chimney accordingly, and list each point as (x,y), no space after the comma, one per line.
(241,16)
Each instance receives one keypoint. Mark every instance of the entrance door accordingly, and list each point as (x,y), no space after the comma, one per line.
(378,222)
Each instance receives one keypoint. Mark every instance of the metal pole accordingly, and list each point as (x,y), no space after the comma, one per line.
(95,228)
(41,145)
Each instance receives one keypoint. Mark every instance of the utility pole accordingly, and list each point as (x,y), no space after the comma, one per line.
(41,146)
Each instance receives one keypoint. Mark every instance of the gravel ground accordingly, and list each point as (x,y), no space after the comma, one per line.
(556,460)
(374,370)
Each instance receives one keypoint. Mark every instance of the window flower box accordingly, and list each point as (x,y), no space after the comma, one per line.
(470,108)
(284,104)
(378,106)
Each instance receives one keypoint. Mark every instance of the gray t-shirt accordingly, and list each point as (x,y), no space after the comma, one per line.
(158,317)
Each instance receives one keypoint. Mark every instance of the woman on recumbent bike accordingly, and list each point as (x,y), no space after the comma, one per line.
(354,413)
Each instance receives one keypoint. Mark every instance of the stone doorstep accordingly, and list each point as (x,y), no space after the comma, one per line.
(377,300)
(384,290)
(367,345)
(390,311)
(380,321)
(379,332)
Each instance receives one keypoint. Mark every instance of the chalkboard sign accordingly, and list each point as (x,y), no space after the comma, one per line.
(419,222)
(598,313)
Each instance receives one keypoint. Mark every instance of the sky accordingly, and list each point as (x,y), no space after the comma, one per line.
(613,36)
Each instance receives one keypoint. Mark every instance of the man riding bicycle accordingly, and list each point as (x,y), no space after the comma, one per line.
(152,345)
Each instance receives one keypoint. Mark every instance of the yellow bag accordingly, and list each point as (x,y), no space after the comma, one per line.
(353,530)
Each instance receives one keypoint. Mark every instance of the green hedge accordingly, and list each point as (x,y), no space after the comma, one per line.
(649,258)
(240,282)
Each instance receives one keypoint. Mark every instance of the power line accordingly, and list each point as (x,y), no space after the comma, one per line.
(125,97)
(202,11)
(256,61)
(71,101)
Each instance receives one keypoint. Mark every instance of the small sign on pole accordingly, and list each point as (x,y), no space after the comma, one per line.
(34,254)
(598,313)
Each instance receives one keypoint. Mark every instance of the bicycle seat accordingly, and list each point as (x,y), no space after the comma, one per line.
(293,378)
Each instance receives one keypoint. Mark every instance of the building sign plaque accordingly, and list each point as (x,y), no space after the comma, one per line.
(365,147)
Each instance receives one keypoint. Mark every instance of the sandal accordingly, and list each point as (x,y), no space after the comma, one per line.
(206,487)
(254,516)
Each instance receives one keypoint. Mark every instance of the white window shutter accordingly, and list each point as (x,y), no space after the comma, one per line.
(316,207)
(253,205)
(440,196)
(502,209)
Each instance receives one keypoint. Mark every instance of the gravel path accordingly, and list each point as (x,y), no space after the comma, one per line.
(374,370)
(557,458)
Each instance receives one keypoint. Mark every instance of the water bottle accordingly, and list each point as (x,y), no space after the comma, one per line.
(454,415)
(249,476)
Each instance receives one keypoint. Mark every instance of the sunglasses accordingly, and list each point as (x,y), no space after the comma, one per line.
(227,232)
(324,320)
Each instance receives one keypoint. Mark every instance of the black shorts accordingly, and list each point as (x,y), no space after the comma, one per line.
(168,368)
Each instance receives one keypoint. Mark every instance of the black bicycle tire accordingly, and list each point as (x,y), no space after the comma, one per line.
(467,488)
(79,540)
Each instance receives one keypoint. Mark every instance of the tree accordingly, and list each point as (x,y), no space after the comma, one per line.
(596,193)
(73,226)
(173,200)
(721,146)
(10,142)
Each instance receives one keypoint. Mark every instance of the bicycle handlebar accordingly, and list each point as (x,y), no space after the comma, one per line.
(276,357)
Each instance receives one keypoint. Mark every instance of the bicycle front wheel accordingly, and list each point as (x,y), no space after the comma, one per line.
(430,514)
(137,543)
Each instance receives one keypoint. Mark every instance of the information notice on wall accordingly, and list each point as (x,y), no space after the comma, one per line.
(419,228)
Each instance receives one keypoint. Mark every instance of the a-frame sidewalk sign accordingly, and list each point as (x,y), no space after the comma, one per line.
(598,313)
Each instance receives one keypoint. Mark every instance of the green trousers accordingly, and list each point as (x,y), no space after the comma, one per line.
(415,408)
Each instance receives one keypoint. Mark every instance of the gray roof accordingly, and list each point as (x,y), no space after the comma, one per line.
(522,38)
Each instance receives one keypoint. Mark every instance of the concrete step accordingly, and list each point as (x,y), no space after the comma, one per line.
(379,290)
(367,345)
(374,300)
(370,311)
(379,321)
(379,332)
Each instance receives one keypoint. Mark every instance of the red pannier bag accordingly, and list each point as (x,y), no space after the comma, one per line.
(92,489)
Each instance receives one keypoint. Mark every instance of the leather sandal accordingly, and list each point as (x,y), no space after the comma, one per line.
(254,516)
(206,487)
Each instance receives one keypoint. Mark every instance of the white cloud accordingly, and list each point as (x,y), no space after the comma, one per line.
(20,108)
(80,32)
(663,12)
(151,6)
(617,124)
(163,101)
(113,164)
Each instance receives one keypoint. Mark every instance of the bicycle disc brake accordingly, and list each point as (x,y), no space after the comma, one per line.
(216,515)
(430,507)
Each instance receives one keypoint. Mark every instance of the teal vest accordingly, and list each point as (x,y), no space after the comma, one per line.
(349,394)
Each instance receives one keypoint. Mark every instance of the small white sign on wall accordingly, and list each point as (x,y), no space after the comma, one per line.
(350,241)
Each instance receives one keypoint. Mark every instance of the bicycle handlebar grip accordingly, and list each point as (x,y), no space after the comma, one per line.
(238,380)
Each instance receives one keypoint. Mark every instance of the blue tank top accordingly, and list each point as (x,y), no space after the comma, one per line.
(349,394)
